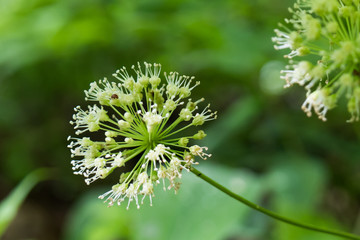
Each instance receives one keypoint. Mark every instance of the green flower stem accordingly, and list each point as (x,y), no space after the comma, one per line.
(163,123)
(181,129)
(167,130)
(270,213)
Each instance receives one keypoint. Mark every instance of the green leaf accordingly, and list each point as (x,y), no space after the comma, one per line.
(10,205)
(198,211)
(297,185)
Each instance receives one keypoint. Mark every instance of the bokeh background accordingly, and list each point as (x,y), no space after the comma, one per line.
(263,145)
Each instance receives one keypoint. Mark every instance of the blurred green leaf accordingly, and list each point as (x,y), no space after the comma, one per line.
(10,205)
(297,185)
(297,178)
(198,211)
(235,120)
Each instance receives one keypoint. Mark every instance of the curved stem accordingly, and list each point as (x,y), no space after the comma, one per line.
(270,213)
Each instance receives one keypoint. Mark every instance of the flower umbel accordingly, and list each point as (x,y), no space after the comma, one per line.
(142,123)
(324,43)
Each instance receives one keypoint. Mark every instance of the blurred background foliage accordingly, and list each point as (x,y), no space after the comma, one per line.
(263,145)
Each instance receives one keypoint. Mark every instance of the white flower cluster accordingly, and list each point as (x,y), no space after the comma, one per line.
(135,122)
(323,37)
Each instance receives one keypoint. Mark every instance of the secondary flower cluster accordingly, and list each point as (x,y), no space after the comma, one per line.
(138,122)
(324,39)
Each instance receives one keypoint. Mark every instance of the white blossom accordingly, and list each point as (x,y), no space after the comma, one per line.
(135,117)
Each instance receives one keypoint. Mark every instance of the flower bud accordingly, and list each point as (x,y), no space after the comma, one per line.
(199,135)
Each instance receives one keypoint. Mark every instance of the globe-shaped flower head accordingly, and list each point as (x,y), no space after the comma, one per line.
(138,121)
(324,41)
